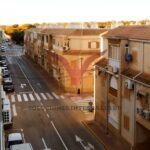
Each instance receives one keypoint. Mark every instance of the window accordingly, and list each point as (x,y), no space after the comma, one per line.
(46,39)
(126,122)
(126,92)
(113,89)
(42,38)
(114,52)
(53,41)
(93,44)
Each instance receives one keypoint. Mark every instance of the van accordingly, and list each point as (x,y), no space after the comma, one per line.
(6,112)
(24,146)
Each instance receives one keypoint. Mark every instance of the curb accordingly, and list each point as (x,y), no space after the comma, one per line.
(93,133)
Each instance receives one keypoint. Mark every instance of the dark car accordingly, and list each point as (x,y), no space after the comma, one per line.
(2,57)
(8,86)
(3,64)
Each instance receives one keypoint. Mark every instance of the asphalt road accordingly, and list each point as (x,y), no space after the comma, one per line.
(47,120)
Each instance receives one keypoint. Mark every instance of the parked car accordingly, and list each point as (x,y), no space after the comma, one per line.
(8,86)
(2,57)
(6,112)
(24,146)
(3,64)
(2,50)
(14,139)
(6,76)
(4,69)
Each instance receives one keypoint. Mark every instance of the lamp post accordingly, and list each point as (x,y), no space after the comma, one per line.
(81,79)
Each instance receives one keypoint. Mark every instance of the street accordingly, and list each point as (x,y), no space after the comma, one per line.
(47,119)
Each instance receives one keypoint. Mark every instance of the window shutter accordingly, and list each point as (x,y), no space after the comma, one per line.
(89,44)
(126,122)
(97,44)
(126,93)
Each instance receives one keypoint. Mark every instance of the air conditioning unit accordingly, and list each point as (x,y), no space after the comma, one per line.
(66,48)
(129,84)
(115,69)
(146,114)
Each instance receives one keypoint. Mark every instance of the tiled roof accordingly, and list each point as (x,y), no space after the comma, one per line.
(130,32)
(71,32)
(144,78)
(102,62)
(35,30)
(130,73)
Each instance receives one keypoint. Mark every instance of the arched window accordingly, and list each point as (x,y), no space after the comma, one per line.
(113,88)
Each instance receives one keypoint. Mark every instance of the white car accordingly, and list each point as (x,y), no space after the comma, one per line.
(15,138)
(25,146)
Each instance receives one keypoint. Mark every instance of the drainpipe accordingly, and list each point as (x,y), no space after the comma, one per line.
(133,146)
(107,104)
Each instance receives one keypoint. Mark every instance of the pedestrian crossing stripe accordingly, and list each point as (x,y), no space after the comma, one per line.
(56,96)
(12,98)
(37,96)
(49,96)
(25,97)
(19,98)
(43,96)
(33,97)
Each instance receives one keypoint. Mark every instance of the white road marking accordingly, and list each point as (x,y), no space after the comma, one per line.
(14,110)
(19,98)
(25,76)
(37,96)
(31,97)
(12,98)
(88,147)
(47,115)
(49,96)
(25,92)
(55,95)
(25,97)
(23,85)
(59,136)
(44,143)
(43,96)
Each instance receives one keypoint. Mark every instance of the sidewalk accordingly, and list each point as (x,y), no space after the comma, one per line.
(110,141)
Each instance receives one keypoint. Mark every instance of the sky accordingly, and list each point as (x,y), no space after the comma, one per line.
(39,11)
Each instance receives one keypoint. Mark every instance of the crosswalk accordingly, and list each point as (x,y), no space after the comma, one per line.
(25,97)
(84,104)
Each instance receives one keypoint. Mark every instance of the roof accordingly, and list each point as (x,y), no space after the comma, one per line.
(6,108)
(130,32)
(6,102)
(71,32)
(14,137)
(25,146)
(102,62)
(130,73)
(143,77)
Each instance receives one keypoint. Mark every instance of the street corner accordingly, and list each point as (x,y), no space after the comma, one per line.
(90,126)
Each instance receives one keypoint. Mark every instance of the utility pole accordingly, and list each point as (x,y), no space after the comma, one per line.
(81,78)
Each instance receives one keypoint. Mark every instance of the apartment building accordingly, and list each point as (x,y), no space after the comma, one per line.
(122,85)
(67,54)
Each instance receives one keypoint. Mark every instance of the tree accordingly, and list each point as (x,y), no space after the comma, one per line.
(16,32)
(18,37)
